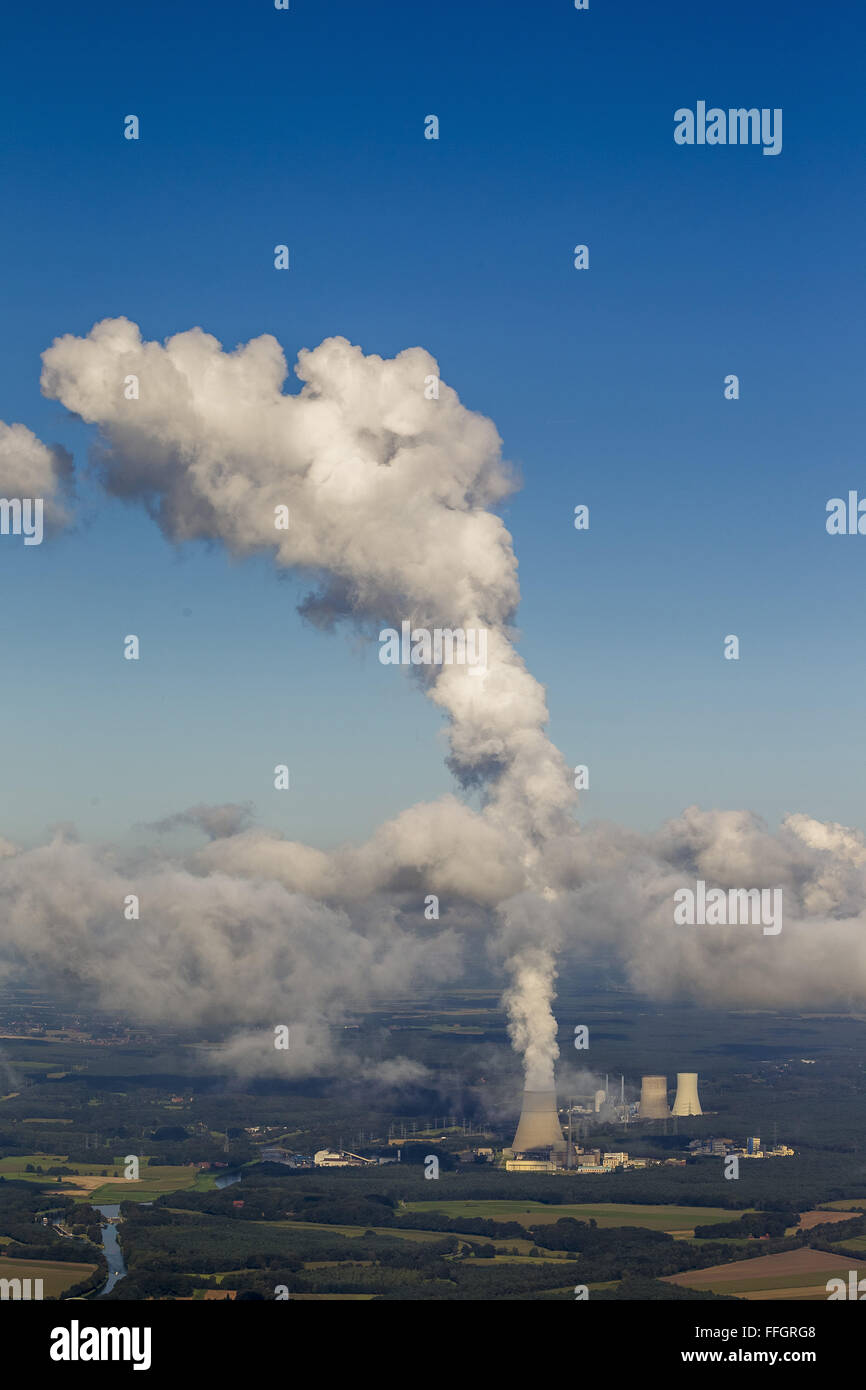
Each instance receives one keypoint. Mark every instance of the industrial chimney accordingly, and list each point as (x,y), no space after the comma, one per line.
(687,1101)
(539,1126)
(654,1098)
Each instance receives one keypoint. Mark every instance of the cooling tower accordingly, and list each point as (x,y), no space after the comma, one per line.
(687,1102)
(539,1126)
(654,1098)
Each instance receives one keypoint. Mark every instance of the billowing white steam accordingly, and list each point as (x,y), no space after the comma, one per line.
(390,496)
(531,1025)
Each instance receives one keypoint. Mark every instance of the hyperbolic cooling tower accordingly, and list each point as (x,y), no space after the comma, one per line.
(654,1098)
(687,1102)
(539,1126)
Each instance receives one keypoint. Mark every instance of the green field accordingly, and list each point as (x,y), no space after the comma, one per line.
(605,1214)
(359,1230)
(56,1275)
(14,1167)
(503,1259)
(154,1181)
(523,1247)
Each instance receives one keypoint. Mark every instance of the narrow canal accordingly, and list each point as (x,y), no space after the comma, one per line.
(111,1245)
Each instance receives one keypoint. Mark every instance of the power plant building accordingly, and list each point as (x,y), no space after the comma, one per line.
(687,1101)
(539,1126)
(654,1098)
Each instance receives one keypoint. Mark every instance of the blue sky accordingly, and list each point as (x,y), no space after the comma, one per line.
(556,128)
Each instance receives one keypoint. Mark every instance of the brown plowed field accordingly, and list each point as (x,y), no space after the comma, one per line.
(808,1219)
(773,1275)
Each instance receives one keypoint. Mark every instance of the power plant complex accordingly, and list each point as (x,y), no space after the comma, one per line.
(558,1138)
(540,1143)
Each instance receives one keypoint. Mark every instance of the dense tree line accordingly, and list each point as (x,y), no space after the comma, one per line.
(791,1184)
(832,1235)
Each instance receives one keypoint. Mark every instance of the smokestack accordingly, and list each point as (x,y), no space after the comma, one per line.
(539,1126)
(687,1101)
(654,1098)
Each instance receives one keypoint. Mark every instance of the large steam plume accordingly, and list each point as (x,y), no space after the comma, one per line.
(390,497)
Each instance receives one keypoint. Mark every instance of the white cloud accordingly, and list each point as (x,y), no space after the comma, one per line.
(29,468)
